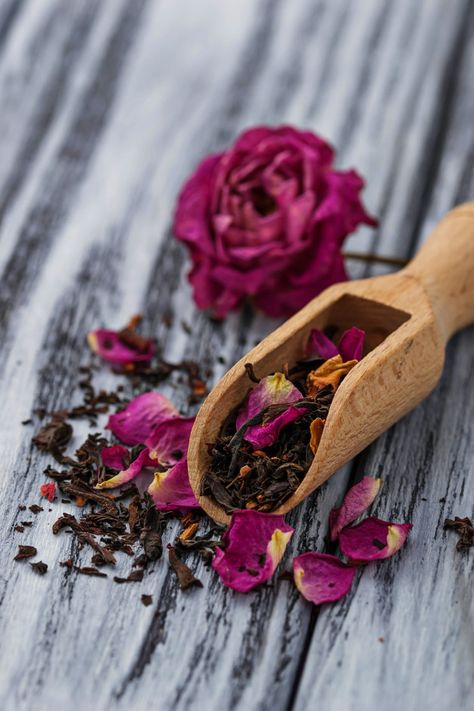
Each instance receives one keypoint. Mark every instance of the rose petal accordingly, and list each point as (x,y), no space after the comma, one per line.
(356,501)
(138,465)
(107,345)
(261,436)
(171,490)
(168,443)
(322,578)
(254,545)
(275,389)
(330,372)
(136,422)
(316,431)
(320,346)
(115,457)
(351,344)
(373,539)
(48,491)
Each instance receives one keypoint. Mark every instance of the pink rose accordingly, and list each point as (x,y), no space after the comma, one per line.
(266,219)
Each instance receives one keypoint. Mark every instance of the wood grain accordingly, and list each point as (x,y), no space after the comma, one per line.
(106,108)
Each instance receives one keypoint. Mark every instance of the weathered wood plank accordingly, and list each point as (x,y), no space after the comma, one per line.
(98,143)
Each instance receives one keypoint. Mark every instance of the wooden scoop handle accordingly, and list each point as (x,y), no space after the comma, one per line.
(445,267)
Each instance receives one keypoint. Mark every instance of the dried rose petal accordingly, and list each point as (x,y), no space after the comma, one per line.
(330,372)
(356,501)
(351,344)
(168,443)
(373,539)
(142,462)
(138,420)
(115,457)
(275,389)
(322,578)
(320,346)
(254,545)
(109,346)
(261,436)
(316,431)
(48,491)
(171,490)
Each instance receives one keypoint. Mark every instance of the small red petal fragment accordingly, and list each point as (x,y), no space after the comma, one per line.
(373,539)
(356,501)
(351,345)
(138,420)
(48,491)
(112,348)
(322,578)
(254,545)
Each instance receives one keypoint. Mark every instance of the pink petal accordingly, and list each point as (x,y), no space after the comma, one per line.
(320,346)
(351,344)
(171,490)
(136,422)
(373,539)
(136,467)
(254,545)
(274,389)
(261,436)
(115,457)
(322,578)
(356,501)
(107,345)
(168,443)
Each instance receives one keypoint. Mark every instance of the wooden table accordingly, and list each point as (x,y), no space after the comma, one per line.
(106,107)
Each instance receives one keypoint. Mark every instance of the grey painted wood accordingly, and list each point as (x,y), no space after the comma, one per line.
(106,107)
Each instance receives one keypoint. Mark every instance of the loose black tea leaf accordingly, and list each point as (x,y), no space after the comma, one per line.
(54,436)
(40,568)
(25,552)
(135,576)
(185,576)
(147,600)
(465,530)
(91,571)
(34,508)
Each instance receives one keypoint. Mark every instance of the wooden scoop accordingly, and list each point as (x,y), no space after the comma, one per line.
(408,317)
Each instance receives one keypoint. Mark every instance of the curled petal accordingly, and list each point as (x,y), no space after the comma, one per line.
(48,491)
(171,490)
(115,457)
(109,346)
(168,443)
(261,436)
(330,372)
(138,465)
(373,539)
(320,346)
(316,431)
(275,389)
(356,501)
(351,345)
(322,578)
(136,422)
(254,545)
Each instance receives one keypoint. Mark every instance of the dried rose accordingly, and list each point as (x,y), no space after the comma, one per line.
(356,501)
(171,490)
(254,545)
(266,219)
(274,389)
(141,462)
(48,491)
(113,348)
(322,578)
(373,539)
(316,431)
(134,424)
(351,345)
(168,443)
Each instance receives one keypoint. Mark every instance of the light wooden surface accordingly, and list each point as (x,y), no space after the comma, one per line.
(105,108)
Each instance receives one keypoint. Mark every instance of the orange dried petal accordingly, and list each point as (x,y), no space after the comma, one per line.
(330,372)
(316,430)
